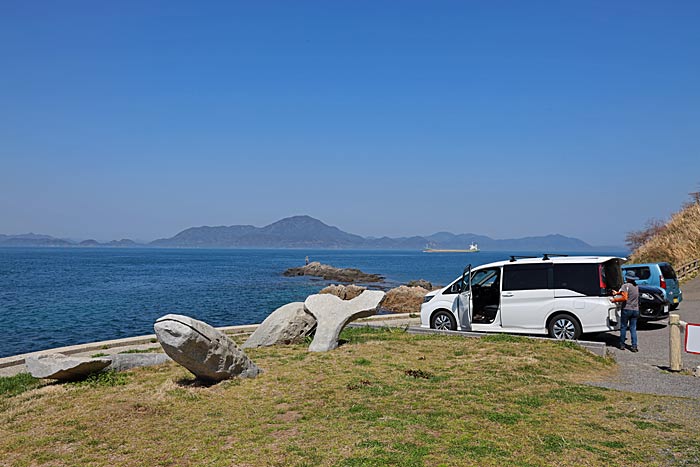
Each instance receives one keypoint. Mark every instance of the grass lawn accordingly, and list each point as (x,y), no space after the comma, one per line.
(384,398)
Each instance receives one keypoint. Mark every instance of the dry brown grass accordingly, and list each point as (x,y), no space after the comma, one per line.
(385,398)
(677,243)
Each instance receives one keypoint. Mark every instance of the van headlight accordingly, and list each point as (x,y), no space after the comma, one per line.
(427,298)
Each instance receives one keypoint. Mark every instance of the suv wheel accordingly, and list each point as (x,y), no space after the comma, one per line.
(564,326)
(443,320)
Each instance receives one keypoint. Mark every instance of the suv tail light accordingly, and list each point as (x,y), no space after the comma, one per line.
(603,285)
(663,282)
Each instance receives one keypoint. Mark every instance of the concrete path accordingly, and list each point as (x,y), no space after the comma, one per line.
(645,371)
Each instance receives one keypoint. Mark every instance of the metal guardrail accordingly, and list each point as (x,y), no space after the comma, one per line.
(685,270)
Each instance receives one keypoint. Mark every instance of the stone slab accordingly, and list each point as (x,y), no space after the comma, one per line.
(63,367)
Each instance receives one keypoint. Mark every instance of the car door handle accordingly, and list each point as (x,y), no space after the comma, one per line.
(507,294)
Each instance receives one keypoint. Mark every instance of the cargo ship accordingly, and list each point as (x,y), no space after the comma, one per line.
(473,248)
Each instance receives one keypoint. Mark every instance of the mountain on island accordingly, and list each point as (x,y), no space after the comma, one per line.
(307,232)
(33,240)
(291,232)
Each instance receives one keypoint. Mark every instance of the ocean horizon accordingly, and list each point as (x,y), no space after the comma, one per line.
(53,297)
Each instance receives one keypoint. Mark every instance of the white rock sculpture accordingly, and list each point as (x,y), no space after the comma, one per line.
(207,352)
(288,324)
(62,367)
(333,314)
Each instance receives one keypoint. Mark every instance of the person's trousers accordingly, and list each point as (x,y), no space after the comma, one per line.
(629,319)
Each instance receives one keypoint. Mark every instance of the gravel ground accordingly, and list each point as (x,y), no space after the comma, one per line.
(646,371)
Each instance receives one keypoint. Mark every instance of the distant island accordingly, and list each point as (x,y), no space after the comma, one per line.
(305,232)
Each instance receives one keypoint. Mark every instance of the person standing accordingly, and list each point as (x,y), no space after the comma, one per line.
(629,295)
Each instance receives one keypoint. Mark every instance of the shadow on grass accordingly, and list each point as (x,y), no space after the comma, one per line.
(187,382)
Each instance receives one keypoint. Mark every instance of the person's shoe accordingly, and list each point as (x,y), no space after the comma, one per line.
(621,347)
(634,349)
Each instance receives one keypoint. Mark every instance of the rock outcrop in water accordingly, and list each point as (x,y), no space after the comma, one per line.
(404,299)
(421,283)
(331,273)
(345,292)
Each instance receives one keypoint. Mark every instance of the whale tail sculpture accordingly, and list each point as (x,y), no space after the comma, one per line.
(333,314)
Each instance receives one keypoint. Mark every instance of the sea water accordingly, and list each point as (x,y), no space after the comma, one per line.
(52,297)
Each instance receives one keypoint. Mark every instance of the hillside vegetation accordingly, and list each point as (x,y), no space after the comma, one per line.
(677,241)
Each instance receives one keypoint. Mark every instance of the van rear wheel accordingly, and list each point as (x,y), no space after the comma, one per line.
(564,327)
(443,320)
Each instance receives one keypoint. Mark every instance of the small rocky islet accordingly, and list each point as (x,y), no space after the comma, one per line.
(331,273)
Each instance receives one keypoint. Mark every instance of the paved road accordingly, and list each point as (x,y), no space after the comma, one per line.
(645,371)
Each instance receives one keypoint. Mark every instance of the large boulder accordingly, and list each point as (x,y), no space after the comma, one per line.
(404,299)
(421,283)
(345,292)
(62,367)
(333,314)
(207,352)
(288,324)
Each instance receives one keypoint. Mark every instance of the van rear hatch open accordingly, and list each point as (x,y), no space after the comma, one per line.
(611,275)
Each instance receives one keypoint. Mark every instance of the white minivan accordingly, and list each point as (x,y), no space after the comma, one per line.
(563,296)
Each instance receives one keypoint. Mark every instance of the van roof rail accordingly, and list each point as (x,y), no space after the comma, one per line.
(546,256)
(514,258)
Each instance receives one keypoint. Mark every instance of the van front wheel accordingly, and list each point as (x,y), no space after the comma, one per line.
(443,320)
(564,326)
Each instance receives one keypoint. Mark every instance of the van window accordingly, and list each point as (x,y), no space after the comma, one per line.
(581,278)
(667,271)
(485,277)
(527,277)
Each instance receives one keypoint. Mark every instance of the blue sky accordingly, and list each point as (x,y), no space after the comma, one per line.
(139,119)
